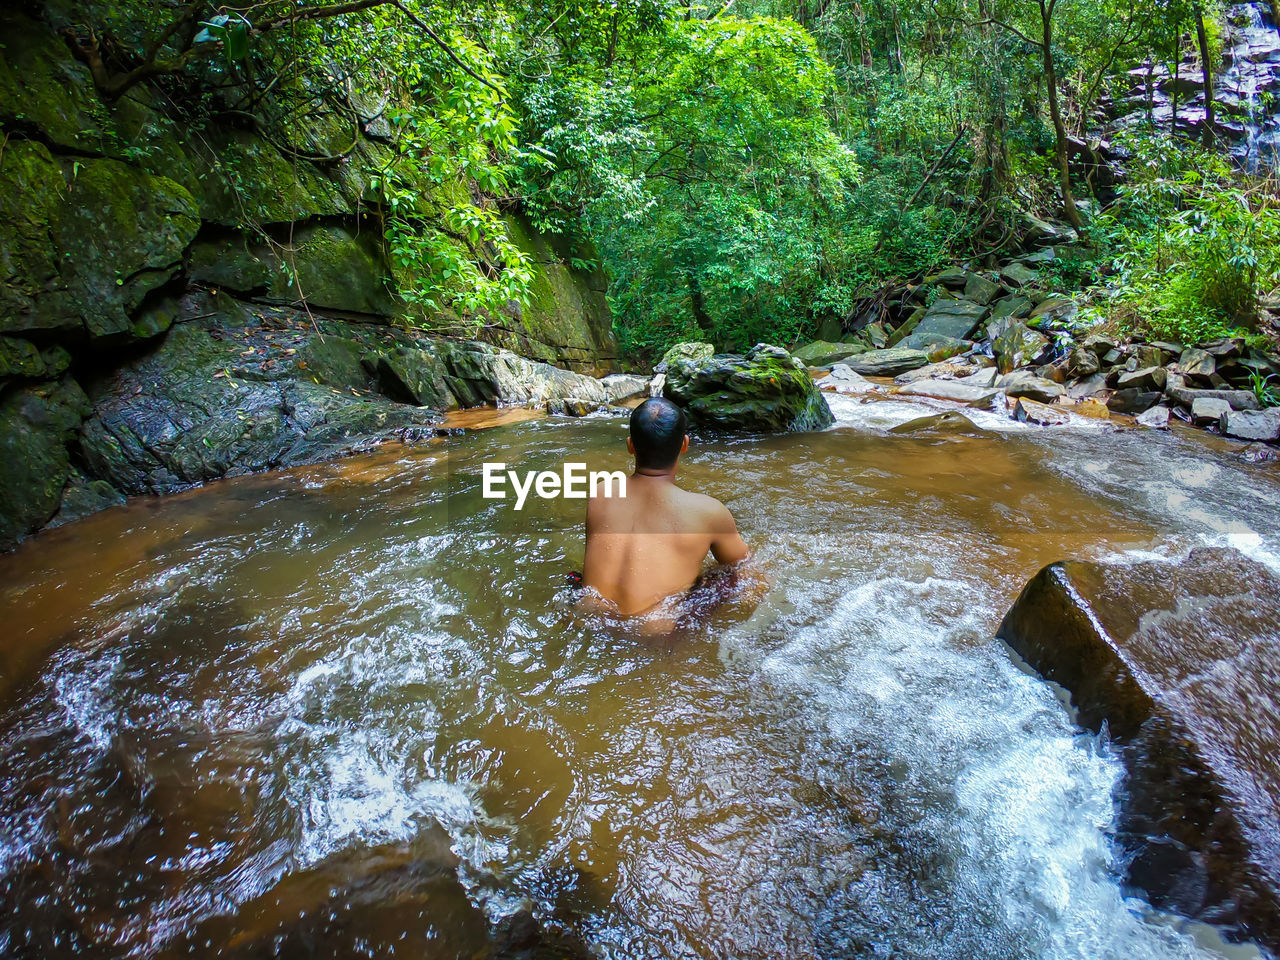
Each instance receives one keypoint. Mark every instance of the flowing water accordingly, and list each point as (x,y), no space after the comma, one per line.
(305,695)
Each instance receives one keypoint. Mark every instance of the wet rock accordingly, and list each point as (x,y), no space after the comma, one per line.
(20,358)
(1040,414)
(980,290)
(821,353)
(938,346)
(953,277)
(1024,383)
(952,421)
(908,326)
(1156,418)
(887,363)
(985,377)
(1261,425)
(1180,660)
(1206,411)
(766,390)
(405,374)
(950,390)
(83,497)
(942,370)
(1017,347)
(1147,378)
(845,374)
(1133,400)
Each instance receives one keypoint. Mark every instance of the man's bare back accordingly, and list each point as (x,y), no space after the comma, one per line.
(650,544)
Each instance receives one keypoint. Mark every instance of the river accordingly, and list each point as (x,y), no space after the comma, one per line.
(230,705)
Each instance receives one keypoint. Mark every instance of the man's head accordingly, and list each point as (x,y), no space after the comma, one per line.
(659,434)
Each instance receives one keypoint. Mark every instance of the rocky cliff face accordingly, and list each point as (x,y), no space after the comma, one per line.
(136,250)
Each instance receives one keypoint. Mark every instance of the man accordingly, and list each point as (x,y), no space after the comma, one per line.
(650,544)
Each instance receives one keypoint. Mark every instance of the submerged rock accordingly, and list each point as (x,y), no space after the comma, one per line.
(767,390)
(1181,661)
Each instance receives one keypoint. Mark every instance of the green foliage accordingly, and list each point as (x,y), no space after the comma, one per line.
(1267,392)
(1192,245)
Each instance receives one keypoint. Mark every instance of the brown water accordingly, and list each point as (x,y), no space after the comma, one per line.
(268,716)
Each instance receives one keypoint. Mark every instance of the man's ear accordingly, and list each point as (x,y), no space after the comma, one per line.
(631,447)
(685,446)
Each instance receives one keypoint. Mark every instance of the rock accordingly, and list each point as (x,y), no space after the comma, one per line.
(229,262)
(1016,307)
(1081,362)
(843,380)
(1149,355)
(954,277)
(980,290)
(1197,364)
(1156,418)
(407,374)
(887,363)
(624,386)
(85,242)
(1147,378)
(1018,274)
(950,390)
(1179,660)
(938,346)
(1100,344)
(332,267)
(657,384)
(1055,310)
(1133,400)
(567,321)
(1092,408)
(1261,425)
(1176,390)
(479,373)
(83,497)
(690,350)
(985,377)
(766,390)
(1023,383)
(1208,410)
(20,358)
(952,421)
(956,319)
(1017,347)
(1041,233)
(821,353)
(1040,414)
(908,326)
(1259,453)
(1227,348)
(942,370)
(875,335)
(1088,387)
(36,425)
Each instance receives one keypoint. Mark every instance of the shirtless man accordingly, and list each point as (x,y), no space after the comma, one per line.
(650,544)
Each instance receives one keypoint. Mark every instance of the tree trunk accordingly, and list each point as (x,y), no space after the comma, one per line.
(1055,114)
(1206,73)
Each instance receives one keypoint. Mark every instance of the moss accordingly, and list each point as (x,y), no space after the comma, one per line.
(335,268)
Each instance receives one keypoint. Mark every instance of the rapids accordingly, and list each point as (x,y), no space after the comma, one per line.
(288,675)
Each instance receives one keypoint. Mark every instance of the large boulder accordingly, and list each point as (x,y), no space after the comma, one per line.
(766,390)
(952,318)
(1018,346)
(1179,660)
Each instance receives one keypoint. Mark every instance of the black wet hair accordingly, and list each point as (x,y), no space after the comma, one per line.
(658,428)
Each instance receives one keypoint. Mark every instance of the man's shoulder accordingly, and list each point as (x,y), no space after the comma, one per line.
(702,503)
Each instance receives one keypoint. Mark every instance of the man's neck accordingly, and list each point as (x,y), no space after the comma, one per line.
(652,473)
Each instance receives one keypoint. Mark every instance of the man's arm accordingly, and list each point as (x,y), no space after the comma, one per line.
(726,545)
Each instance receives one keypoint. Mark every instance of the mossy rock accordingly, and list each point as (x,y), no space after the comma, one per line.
(566,320)
(690,350)
(36,426)
(89,239)
(42,87)
(334,268)
(230,262)
(768,390)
